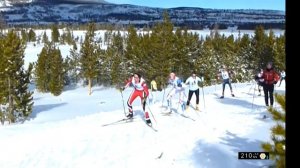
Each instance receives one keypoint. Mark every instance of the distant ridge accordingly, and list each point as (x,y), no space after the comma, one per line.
(72,1)
(82,11)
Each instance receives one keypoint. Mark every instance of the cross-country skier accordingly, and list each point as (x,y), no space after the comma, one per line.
(225,75)
(153,85)
(259,80)
(282,77)
(193,82)
(140,90)
(270,79)
(176,85)
(153,88)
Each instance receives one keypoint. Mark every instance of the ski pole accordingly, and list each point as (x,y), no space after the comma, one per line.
(162,103)
(234,84)
(203,96)
(253,96)
(151,112)
(153,96)
(123,102)
(274,92)
(151,88)
(215,82)
(181,101)
(251,87)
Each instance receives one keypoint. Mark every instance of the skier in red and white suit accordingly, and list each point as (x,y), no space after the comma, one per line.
(140,90)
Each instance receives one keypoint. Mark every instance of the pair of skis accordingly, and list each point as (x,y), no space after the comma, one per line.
(124,120)
(182,115)
(183,108)
(127,120)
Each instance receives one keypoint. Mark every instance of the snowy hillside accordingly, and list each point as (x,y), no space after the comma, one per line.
(5,3)
(67,131)
(38,13)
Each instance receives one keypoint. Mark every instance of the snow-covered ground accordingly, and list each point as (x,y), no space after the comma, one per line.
(67,131)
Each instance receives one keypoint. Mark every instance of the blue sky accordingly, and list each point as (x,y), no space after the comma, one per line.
(217,4)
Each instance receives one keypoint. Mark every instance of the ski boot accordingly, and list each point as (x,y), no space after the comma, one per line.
(187,108)
(197,108)
(264,117)
(183,107)
(147,118)
(130,115)
(168,110)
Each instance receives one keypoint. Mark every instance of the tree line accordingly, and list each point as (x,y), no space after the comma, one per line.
(109,60)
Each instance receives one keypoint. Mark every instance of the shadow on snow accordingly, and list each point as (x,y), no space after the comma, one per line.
(216,156)
(236,102)
(42,108)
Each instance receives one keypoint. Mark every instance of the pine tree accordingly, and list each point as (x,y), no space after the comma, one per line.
(180,59)
(3,86)
(49,70)
(269,49)
(102,77)
(63,38)
(24,35)
(108,36)
(162,50)
(24,99)
(186,49)
(45,38)
(42,72)
(117,59)
(218,47)
(2,22)
(88,56)
(31,35)
(259,42)
(67,71)
(16,79)
(232,60)
(132,48)
(277,146)
(13,49)
(221,46)
(55,34)
(207,60)
(246,63)
(56,82)
(280,56)
(69,37)
(73,65)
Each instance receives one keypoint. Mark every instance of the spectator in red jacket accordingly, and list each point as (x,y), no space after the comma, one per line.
(270,78)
